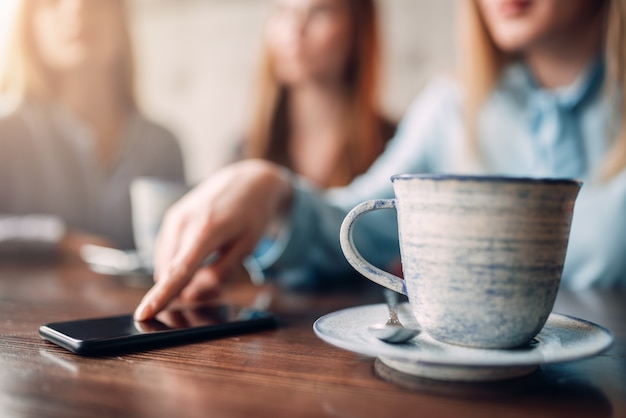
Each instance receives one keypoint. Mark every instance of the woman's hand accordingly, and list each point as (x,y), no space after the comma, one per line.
(225,216)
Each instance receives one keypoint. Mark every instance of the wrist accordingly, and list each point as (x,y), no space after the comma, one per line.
(276,181)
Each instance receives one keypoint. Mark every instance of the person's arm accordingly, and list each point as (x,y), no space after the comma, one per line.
(316,216)
(228,214)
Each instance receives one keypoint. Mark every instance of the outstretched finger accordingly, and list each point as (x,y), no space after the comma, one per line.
(160,295)
(175,272)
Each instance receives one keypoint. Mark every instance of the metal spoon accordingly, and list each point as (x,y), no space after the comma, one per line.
(393,331)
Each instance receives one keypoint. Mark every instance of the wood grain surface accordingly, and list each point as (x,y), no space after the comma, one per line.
(286,372)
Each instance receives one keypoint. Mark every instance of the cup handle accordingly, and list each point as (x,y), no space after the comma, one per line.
(355,258)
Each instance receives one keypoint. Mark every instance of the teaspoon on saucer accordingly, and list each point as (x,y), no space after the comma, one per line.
(392,331)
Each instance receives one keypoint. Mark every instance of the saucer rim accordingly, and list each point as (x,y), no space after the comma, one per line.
(416,356)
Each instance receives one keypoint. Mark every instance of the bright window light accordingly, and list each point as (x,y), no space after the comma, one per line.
(7,12)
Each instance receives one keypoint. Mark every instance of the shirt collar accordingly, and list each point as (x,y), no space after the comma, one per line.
(519,78)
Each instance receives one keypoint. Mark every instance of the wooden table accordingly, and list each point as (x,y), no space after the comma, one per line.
(274,373)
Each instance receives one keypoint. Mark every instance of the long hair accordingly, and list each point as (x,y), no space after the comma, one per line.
(269,133)
(616,59)
(26,77)
(481,65)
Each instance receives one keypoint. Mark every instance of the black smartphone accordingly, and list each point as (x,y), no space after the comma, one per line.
(102,336)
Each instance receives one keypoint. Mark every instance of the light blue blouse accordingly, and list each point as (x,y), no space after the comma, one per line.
(522,131)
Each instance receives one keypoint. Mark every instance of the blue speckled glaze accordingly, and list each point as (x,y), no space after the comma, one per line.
(482,257)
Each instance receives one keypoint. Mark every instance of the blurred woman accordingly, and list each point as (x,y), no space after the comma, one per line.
(317,108)
(543,96)
(544,87)
(76,138)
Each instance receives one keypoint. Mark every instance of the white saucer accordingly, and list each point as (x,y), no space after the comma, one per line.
(563,338)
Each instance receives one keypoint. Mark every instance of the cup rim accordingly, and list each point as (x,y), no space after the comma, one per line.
(486,178)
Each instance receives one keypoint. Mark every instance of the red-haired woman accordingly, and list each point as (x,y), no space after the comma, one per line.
(317,109)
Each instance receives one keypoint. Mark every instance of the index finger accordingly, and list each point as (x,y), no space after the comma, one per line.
(172,278)
(174,264)
(161,294)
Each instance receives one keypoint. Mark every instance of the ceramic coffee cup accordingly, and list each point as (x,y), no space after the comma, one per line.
(150,198)
(482,257)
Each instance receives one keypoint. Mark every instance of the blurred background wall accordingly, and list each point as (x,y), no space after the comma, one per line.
(197,58)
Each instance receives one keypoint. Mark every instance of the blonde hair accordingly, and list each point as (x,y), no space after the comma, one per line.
(26,77)
(365,132)
(616,60)
(481,64)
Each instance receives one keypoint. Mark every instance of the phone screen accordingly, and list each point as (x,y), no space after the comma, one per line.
(123,333)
